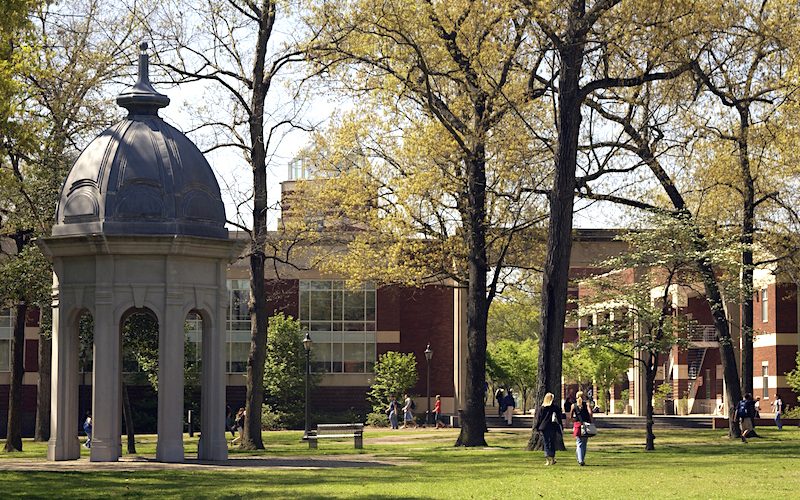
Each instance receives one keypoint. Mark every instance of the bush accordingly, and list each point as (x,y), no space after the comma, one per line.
(285,371)
(791,412)
(270,419)
(395,373)
(378,419)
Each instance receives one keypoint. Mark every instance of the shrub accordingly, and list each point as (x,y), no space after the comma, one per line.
(791,412)
(377,419)
(285,370)
(395,373)
(270,419)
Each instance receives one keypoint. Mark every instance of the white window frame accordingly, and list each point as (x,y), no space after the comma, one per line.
(237,329)
(6,333)
(340,331)
(764,305)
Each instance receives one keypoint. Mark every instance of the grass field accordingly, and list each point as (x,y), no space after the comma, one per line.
(424,464)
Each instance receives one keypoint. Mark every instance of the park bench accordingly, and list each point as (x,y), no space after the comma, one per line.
(336,431)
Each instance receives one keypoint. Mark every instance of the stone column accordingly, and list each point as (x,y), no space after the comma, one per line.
(213,445)
(106,380)
(170,379)
(63,443)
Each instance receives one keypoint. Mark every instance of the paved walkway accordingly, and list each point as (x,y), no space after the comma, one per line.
(234,463)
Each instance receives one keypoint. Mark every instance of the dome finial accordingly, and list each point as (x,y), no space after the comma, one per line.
(142,98)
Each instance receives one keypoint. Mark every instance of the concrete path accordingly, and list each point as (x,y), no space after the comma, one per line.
(235,463)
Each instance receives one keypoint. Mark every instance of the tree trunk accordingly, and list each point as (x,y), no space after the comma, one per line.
(42,432)
(14,429)
(649,388)
(251,437)
(748,230)
(473,426)
(559,234)
(128,416)
(713,295)
(727,357)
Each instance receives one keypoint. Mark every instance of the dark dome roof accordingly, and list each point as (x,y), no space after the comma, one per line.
(141,177)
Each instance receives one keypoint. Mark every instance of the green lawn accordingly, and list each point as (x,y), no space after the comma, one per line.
(687,464)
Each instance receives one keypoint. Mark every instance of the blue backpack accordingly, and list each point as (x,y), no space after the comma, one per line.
(741,409)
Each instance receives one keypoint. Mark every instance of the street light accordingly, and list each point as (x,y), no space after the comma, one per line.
(428,356)
(307,343)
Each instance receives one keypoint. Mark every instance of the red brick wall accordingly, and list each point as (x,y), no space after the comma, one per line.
(699,309)
(32,317)
(31,355)
(422,315)
(785,308)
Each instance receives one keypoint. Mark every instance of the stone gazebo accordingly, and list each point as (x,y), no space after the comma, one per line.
(140,228)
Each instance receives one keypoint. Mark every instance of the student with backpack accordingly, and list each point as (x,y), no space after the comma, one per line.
(745,413)
(509,404)
(408,412)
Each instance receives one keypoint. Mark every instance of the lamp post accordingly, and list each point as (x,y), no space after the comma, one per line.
(307,343)
(428,356)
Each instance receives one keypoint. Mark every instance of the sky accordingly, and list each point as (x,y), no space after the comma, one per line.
(233,172)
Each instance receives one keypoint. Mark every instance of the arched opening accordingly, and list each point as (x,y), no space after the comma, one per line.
(139,355)
(84,325)
(192,372)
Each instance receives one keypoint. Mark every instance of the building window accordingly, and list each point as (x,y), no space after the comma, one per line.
(765,381)
(238,326)
(764,306)
(6,333)
(341,322)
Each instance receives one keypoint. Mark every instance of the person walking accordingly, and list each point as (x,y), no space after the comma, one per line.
(509,404)
(229,422)
(87,428)
(408,412)
(581,413)
(437,412)
(568,402)
(239,426)
(392,411)
(548,423)
(498,396)
(777,407)
(745,412)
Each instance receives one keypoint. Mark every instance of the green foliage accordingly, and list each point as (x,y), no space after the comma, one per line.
(793,377)
(514,364)
(597,360)
(378,419)
(284,371)
(660,393)
(513,316)
(622,402)
(395,373)
(270,419)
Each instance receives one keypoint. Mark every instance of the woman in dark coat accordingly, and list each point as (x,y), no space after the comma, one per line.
(548,422)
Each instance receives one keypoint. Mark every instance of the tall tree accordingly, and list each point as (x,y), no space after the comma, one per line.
(663,258)
(233,47)
(17,208)
(590,43)
(81,49)
(750,73)
(643,131)
(446,165)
